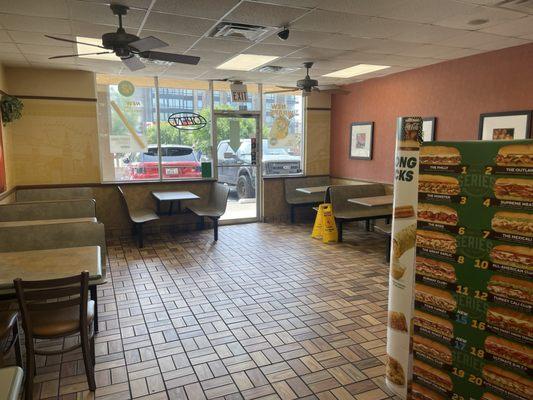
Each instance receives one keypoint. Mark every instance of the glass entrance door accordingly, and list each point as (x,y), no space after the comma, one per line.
(238,162)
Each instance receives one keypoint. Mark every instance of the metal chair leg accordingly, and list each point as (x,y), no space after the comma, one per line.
(30,371)
(215,228)
(339,229)
(86,350)
(140,235)
(292,213)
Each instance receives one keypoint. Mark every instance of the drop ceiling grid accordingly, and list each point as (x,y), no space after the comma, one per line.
(334,33)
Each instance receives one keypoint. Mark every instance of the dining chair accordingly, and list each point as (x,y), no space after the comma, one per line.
(215,207)
(9,335)
(139,216)
(53,309)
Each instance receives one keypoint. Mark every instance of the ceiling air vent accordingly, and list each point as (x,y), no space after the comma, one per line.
(240,31)
(276,69)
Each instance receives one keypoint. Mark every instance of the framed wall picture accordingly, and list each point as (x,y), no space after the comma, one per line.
(508,125)
(361,138)
(428,128)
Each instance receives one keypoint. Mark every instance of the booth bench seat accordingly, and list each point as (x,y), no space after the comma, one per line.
(345,211)
(296,198)
(44,210)
(47,194)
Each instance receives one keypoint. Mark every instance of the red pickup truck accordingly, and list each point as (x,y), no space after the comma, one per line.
(177,161)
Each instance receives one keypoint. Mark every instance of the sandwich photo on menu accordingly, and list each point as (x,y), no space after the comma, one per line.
(513,256)
(515,189)
(434,375)
(513,223)
(394,371)
(518,353)
(437,214)
(435,269)
(511,288)
(509,381)
(432,323)
(396,320)
(438,184)
(515,155)
(436,241)
(432,349)
(404,212)
(419,392)
(511,321)
(435,297)
(439,155)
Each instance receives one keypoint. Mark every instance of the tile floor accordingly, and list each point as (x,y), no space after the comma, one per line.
(266,313)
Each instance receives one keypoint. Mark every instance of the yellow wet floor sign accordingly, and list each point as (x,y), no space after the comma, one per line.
(325,227)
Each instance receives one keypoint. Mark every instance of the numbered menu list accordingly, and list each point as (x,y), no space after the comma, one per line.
(473,324)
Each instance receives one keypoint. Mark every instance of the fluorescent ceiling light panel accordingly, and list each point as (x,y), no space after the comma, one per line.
(356,70)
(246,62)
(81,48)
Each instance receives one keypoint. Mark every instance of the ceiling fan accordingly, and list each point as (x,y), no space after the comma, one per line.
(129,47)
(308,85)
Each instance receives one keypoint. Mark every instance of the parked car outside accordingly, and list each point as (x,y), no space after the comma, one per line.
(177,162)
(235,169)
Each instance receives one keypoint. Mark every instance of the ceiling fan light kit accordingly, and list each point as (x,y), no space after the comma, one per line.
(130,48)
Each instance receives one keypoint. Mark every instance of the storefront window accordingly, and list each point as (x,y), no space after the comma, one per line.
(128,125)
(282,131)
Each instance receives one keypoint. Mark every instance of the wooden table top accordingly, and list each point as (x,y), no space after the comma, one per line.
(313,189)
(49,264)
(374,200)
(6,224)
(174,195)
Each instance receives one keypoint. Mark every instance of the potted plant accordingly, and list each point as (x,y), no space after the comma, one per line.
(11,108)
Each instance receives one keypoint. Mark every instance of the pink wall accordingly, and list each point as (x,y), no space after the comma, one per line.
(456,92)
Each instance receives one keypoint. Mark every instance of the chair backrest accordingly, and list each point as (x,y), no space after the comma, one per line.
(42,210)
(124,199)
(47,194)
(218,197)
(339,195)
(52,295)
(291,184)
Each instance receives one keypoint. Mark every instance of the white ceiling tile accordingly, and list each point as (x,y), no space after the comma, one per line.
(328,21)
(527,37)
(35,24)
(46,50)
(87,29)
(272,50)
(293,3)
(429,50)
(494,16)
(469,39)
(36,38)
(362,7)
(221,45)
(427,11)
(8,48)
(457,53)
(196,8)
(177,24)
(388,46)
(92,12)
(313,53)
(12,59)
(346,42)
(48,8)
(298,38)
(427,34)
(502,43)
(264,14)
(520,27)
(42,58)
(4,37)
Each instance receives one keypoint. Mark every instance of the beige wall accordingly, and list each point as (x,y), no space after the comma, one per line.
(4,131)
(317,138)
(55,141)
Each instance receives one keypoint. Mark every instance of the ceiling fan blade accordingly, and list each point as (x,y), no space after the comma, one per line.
(148,43)
(170,57)
(73,41)
(288,87)
(133,63)
(83,54)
